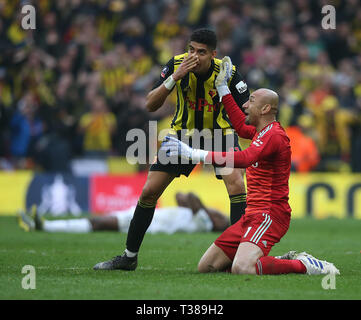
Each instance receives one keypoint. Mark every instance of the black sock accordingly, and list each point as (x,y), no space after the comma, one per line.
(142,219)
(238,206)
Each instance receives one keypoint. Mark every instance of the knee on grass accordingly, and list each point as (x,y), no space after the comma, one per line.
(206,268)
(209,267)
(243,267)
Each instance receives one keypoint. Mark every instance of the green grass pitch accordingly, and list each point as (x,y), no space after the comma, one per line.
(167,267)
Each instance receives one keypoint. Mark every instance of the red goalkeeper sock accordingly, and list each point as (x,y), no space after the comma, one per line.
(272,265)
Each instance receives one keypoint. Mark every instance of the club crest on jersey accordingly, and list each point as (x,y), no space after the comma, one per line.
(164,72)
(212,93)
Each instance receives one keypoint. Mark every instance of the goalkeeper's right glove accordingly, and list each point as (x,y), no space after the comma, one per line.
(223,77)
(174,147)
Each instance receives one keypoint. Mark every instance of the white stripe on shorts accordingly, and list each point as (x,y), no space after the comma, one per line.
(261,229)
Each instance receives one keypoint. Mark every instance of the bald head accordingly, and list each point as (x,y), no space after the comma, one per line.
(267,96)
(261,108)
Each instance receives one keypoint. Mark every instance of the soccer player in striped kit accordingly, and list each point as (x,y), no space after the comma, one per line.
(244,247)
(192,75)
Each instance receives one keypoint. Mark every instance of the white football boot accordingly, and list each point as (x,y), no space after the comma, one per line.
(315,266)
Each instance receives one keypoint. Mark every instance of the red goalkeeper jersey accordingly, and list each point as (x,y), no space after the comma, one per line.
(267,159)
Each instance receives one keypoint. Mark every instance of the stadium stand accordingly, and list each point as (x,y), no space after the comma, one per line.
(87,50)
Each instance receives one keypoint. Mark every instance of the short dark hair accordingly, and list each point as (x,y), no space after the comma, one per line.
(205,36)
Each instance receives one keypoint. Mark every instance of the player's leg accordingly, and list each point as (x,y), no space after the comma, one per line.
(262,233)
(249,259)
(213,260)
(234,183)
(30,221)
(104,223)
(159,177)
(157,182)
(220,254)
(313,266)
(246,258)
(82,225)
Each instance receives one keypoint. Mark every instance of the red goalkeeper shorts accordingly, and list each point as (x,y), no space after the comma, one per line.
(261,229)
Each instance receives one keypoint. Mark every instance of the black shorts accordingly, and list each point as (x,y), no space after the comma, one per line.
(229,143)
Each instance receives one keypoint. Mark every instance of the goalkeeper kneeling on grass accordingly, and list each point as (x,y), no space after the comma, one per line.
(244,247)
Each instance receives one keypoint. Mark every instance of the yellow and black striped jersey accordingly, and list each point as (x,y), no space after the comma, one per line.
(198,105)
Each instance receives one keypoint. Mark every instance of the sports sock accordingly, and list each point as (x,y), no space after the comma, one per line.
(238,206)
(130,254)
(142,219)
(69,225)
(272,265)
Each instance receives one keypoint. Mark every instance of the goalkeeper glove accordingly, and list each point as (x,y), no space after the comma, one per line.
(223,77)
(174,147)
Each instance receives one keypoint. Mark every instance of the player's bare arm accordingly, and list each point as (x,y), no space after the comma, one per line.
(156,97)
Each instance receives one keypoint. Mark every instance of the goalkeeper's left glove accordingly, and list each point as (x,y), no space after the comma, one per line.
(223,77)
(174,147)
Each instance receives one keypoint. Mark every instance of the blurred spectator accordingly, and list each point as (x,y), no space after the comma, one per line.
(98,125)
(356,140)
(84,50)
(323,105)
(305,155)
(166,29)
(345,117)
(26,129)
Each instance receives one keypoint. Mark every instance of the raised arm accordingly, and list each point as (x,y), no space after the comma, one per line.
(156,98)
(238,118)
(227,94)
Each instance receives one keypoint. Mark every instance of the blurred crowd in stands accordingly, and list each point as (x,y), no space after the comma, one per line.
(76,84)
